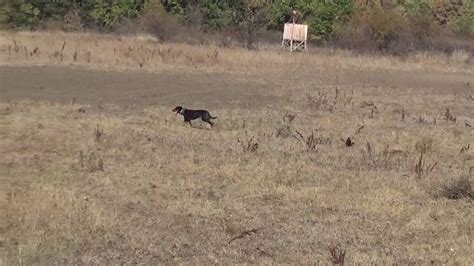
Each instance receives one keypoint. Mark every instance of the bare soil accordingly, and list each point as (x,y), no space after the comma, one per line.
(201,90)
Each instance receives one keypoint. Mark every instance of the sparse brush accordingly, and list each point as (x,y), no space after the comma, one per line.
(422,168)
(81,158)
(343,98)
(459,189)
(310,142)
(288,117)
(16,47)
(423,119)
(98,133)
(321,102)
(284,131)
(424,145)
(250,145)
(213,55)
(373,108)
(36,51)
(59,54)
(381,159)
(350,140)
(87,56)
(90,162)
(337,255)
(402,112)
(465,148)
(449,116)
(243,234)
(62,50)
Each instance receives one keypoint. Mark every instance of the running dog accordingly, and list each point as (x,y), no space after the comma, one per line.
(189,115)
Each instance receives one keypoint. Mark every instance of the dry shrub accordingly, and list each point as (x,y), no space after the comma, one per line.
(321,102)
(249,145)
(383,159)
(168,28)
(461,188)
(422,167)
(72,21)
(285,130)
(449,116)
(447,43)
(98,133)
(461,56)
(90,162)
(373,29)
(337,255)
(394,31)
(310,141)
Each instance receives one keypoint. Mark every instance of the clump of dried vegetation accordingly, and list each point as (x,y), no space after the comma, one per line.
(458,189)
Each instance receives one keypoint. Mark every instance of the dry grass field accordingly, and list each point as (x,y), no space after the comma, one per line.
(105,173)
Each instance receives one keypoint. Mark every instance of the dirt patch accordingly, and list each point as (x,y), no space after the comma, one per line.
(215,90)
(128,89)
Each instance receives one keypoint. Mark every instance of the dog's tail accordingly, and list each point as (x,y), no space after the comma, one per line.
(213,117)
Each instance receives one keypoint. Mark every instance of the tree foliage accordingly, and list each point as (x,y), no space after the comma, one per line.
(326,18)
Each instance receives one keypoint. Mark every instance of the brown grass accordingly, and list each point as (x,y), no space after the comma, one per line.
(146,53)
(89,185)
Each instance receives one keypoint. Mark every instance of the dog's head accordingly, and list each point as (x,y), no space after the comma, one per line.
(177,109)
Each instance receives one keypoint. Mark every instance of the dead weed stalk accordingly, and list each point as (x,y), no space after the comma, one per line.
(98,133)
(337,255)
(249,145)
(381,159)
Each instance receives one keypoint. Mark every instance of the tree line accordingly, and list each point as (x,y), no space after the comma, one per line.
(381,21)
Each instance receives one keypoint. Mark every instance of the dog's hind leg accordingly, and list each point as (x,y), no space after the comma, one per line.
(207,120)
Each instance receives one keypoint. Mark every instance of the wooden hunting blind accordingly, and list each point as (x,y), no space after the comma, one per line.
(295,36)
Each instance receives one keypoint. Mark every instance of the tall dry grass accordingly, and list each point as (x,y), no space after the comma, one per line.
(88,185)
(145,53)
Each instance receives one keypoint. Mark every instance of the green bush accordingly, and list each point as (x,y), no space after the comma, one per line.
(211,14)
(110,13)
(21,13)
(463,25)
(103,13)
